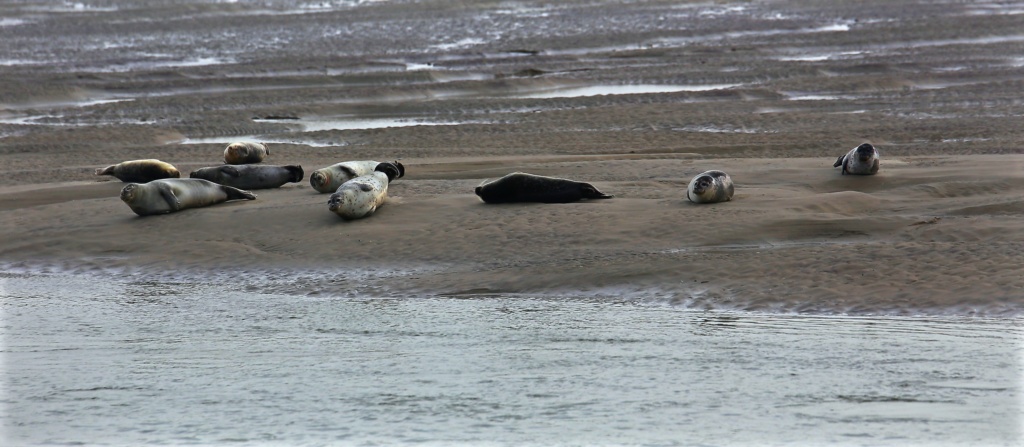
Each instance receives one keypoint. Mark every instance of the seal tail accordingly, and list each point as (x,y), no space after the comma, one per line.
(109,170)
(401,168)
(296,173)
(390,169)
(590,192)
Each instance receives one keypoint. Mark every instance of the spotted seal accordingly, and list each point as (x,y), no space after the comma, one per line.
(361,196)
(140,171)
(245,152)
(329,179)
(250,176)
(170,195)
(861,160)
(523,187)
(710,187)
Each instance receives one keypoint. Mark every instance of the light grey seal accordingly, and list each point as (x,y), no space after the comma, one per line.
(361,196)
(250,176)
(861,160)
(245,152)
(329,179)
(523,187)
(710,187)
(140,171)
(170,195)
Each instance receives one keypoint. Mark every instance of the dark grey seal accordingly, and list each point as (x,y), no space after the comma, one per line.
(522,187)
(861,160)
(250,176)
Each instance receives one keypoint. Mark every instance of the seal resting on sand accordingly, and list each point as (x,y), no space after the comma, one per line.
(861,160)
(250,176)
(140,171)
(329,179)
(170,195)
(523,187)
(361,196)
(710,187)
(242,153)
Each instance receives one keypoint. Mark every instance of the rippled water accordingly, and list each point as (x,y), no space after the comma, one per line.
(101,361)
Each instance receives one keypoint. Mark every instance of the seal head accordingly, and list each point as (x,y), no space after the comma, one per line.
(710,187)
(861,160)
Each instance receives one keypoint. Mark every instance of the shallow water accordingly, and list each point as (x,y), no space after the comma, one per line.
(125,363)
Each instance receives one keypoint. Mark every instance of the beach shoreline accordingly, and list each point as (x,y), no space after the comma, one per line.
(633,99)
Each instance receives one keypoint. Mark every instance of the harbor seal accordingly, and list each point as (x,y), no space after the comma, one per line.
(710,187)
(250,176)
(523,187)
(242,153)
(170,195)
(140,171)
(329,179)
(361,196)
(861,160)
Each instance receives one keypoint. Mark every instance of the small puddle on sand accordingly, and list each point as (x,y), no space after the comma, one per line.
(599,90)
(340,123)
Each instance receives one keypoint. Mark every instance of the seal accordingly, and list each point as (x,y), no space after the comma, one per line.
(329,179)
(710,187)
(861,160)
(250,176)
(140,171)
(361,196)
(170,195)
(523,187)
(242,153)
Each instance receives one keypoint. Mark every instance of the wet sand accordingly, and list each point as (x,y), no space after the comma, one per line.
(771,93)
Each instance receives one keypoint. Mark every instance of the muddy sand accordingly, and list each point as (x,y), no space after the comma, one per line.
(636,99)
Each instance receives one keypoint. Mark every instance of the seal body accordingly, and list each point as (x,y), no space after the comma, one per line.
(329,179)
(861,160)
(710,187)
(140,171)
(170,195)
(361,196)
(250,176)
(523,187)
(242,153)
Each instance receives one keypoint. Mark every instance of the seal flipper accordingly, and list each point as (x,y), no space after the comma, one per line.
(238,194)
(230,170)
(874,166)
(109,170)
(349,171)
(839,161)
(168,194)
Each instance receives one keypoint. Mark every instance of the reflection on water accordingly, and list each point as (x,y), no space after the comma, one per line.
(130,363)
(597,90)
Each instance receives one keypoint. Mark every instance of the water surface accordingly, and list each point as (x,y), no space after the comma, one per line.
(117,362)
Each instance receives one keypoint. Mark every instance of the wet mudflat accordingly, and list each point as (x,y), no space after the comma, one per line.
(813,308)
